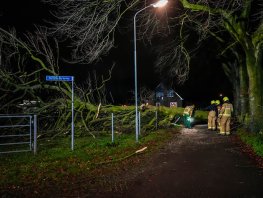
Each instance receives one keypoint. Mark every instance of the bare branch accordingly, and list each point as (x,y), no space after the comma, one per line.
(88,27)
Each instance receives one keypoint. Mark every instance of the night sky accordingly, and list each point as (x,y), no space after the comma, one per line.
(206,80)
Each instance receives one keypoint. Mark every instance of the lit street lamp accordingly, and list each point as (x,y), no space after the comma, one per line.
(158,4)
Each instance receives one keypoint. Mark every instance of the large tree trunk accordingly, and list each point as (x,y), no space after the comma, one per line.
(236,72)
(231,70)
(236,94)
(243,98)
(255,74)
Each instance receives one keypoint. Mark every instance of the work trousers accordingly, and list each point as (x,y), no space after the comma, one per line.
(225,125)
(218,124)
(212,120)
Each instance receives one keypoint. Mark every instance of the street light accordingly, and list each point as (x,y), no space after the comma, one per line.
(158,4)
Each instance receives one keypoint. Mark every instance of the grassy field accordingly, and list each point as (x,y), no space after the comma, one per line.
(254,140)
(56,163)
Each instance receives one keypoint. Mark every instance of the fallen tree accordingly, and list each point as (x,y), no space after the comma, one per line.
(24,65)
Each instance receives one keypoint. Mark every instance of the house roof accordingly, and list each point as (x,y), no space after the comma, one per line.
(162,88)
(178,95)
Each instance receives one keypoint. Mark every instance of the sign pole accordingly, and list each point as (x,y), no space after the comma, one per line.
(67,78)
(72,117)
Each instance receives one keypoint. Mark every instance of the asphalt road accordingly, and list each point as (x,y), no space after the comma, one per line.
(198,163)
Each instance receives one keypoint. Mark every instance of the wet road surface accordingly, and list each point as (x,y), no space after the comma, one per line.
(198,163)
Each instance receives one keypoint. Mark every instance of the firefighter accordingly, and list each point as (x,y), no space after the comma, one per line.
(188,112)
(212,116)
(218,114)
(225,116)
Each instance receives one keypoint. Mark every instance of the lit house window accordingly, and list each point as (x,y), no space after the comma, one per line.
(170,94)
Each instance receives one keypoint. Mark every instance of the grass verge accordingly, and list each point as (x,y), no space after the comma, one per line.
(56,165)
(254,140)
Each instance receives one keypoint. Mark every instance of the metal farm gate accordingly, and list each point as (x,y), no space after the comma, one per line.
(18,133)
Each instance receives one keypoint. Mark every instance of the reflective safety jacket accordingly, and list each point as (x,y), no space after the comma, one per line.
(226,109)
(218,110)
(188,110)
(212,110)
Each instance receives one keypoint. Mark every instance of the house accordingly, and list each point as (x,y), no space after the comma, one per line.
(167,97)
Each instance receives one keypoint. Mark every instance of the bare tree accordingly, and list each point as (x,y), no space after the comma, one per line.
(87,27)
(245,28)
(146,94)
(24,65)
(174,60)
(240,21)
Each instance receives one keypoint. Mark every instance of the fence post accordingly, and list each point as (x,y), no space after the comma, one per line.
(139,123)
(30,132)
(112,128)
(35,134)
(156,118)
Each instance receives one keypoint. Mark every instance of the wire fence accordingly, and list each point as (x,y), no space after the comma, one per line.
(55,130)
(17,133)
(54,127)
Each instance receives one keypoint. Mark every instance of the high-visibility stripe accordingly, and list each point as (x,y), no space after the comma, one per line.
(227,111)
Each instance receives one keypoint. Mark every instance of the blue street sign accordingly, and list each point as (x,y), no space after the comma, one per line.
(59,78)
(67,78)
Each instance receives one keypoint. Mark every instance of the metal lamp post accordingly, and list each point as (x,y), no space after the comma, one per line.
(158,4)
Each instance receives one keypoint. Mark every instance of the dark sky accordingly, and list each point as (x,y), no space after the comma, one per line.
(206,80)
(21,14)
